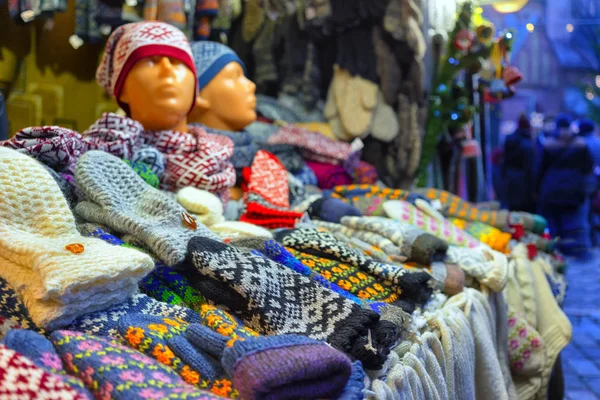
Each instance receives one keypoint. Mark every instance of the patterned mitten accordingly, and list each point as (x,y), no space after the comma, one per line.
(418,246)
(13,310)
(487,234)
(406,212)
(487,266)
(111,370)
(39,350)
(525,347)
(118,198)
(162,339)
(20,378)
(57,271)
(267,199)
(275,300)
(412,285)
(312,368)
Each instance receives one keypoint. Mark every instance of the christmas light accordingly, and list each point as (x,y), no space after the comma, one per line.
(530,27)
(598,81)
(569,28)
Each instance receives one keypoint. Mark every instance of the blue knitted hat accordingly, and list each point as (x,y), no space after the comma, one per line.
(210,58)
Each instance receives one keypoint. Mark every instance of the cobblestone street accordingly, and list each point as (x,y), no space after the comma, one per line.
(581,359)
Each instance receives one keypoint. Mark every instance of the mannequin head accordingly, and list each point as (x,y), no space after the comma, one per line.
(149,69)
(226,98)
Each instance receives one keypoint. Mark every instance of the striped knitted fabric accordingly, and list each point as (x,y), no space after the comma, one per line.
(368,199)
(485,233)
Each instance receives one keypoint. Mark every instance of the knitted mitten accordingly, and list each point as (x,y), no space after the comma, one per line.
(58,272)
(373,238)
(312,368)
(39,350)
(20,378)
(372,251)
(156,288)
(200,202)
(179,284)
(118,197)
(13,310)
(273,299)
(267,198)
(487,234)
(411,285)
(487,266)
(406,212)
(525,346)
(162,339)
(104,323)
(144,172)
(111,370)
(331,209)
(418,246)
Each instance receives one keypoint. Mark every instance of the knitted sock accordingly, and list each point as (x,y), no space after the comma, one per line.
(104,322)
(418,246)
(267,198)
(111,370)
(312,368)
(525,347)
(20,378)
(372,238)
(118,198)
(487,234)
(406,212)
(274,299)
(411,286)
(162,339)
(39,350)
(489,267)
(331,209)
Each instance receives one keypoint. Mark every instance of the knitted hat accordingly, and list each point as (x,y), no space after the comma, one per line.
(210,58)
(130,43)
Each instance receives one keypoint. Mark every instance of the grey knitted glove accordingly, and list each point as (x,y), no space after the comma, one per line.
(118,198)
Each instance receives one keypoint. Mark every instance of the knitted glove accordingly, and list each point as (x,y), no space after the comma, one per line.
(312,368)
(273,299)
(119,199)
(418,246)
(111,370)
(40,350)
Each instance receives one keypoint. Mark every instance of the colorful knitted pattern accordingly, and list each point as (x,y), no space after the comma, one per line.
(454,206)
(20,378)
(487,234)
(13,309)
(405,212)
(347,277)
(365,174)
(368,199)
(111,370)
(154,336)
(144,172)
(267,198)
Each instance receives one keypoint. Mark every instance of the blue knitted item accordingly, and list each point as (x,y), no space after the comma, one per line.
(332,210)
(286,367)
(113,371)
(307,176)
(39,350)
(356,384)
(210,58)
(12,307)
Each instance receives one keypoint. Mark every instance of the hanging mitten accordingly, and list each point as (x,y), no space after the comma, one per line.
(118,198)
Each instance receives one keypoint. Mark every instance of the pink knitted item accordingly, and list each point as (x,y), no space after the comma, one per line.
(130,43)
(197,159)
(329,175)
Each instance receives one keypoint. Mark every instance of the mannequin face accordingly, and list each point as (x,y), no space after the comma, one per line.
(228,102)
(159,91)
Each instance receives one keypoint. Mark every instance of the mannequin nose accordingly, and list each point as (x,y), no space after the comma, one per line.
(166,66)
(250,86)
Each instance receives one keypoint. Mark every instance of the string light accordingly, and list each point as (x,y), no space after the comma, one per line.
(530,27)
(598,81)
(569,28)
(589,94)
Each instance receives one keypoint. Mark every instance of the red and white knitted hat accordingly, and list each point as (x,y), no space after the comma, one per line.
(130,43)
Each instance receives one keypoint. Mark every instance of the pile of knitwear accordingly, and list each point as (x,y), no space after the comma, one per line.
(116,286)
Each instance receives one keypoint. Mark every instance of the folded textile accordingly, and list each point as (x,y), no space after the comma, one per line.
(267,196)
(405,212)
(329,175)
(111,370)
(20,378)
(119,199)
(59,273)
(415,244)
(40,350)
(410,285)
(487,234)
(307,176)
(275,300)
(196,159)
(368,199)
(271,108)
(488,267)
(317,147)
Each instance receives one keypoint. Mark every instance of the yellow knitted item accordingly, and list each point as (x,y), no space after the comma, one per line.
(320,127)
